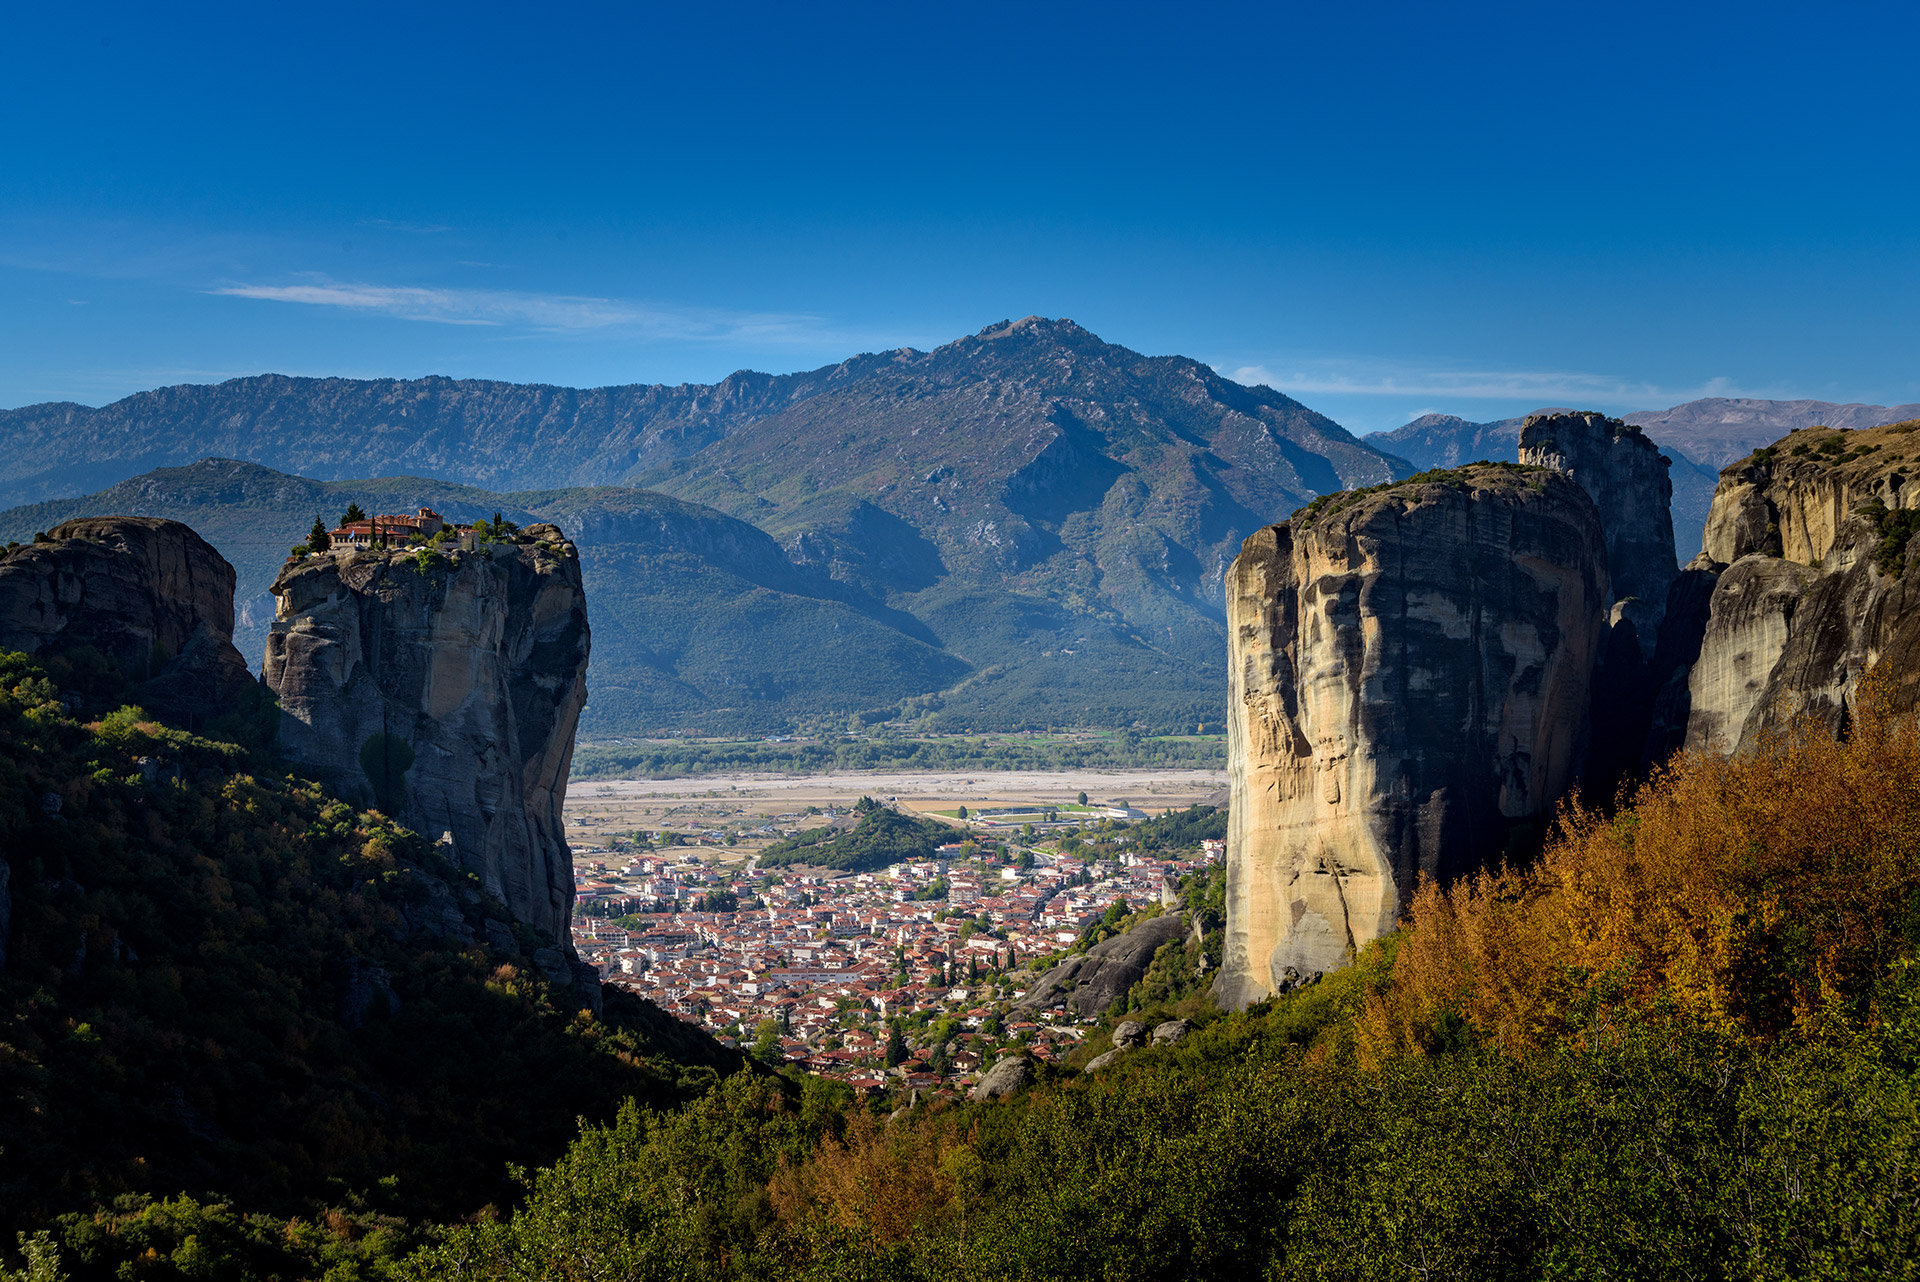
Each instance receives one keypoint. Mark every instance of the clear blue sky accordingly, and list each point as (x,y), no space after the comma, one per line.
(1380,209)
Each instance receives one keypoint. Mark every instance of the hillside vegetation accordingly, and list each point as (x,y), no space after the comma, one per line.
(223,982)
(1683,1044)
(879,838)
(1079,751)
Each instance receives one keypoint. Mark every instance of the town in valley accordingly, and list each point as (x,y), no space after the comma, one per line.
(905,976)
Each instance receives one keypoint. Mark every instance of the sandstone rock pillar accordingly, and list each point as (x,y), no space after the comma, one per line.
(445,690)
(1409,671)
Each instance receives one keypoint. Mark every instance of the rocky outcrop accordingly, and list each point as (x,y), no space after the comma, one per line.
(1091,982)
(444,690)
(1809,540)
(129,608)
(1626,476)
(1409,673)
(1008,1077)
(1130,1034)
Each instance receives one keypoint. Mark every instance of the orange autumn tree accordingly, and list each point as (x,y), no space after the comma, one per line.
(1759,896)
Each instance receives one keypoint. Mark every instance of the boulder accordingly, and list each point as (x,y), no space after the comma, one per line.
(1409,674)
(1130,1032)
(1172,1033)
(1005,1078)
(1100,1061)
(1090,983)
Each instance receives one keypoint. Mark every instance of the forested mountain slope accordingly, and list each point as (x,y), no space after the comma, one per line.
(476,431)
(698,618)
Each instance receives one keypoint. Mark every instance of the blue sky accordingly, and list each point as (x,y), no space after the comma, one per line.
(1382,210)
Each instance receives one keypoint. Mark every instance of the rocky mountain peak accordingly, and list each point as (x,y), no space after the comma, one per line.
(1626,476)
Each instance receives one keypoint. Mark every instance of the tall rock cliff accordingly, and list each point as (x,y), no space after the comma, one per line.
(1626,476)
(1809,539)
(1409,684)
(127,608)
(445,690)
(1628,479)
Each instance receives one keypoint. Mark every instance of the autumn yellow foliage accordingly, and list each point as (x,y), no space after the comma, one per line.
(1757,896)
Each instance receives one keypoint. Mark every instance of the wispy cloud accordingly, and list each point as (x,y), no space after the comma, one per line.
(423,229)
(545,313)
(1359,378)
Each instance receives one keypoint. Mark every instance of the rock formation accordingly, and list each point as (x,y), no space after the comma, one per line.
(1626,476)
(131,608)
(444,689)
(1007,1077)
(1409,673)
(1089,983)
(1809,539)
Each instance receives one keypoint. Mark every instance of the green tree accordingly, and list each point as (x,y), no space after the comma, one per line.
(896,1046)
(766,1042)
(353,514)
(1083,798)
(318,540)
(963,812)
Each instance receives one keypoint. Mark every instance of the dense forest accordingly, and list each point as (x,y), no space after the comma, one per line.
(1683,1042)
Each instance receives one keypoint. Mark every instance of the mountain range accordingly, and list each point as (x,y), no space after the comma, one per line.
(1023,528)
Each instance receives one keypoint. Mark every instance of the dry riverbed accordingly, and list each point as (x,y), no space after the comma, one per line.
(599,808)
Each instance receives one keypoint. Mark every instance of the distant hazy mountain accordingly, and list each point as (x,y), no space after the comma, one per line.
(1443,440)
(1717,430)
(1048,514)
(506,436)
(699,620)
(1701,437)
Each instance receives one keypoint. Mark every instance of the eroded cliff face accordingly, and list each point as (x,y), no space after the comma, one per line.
(1809,542)
(128,607)
(1409,676)
(445,690)
(1626,476)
